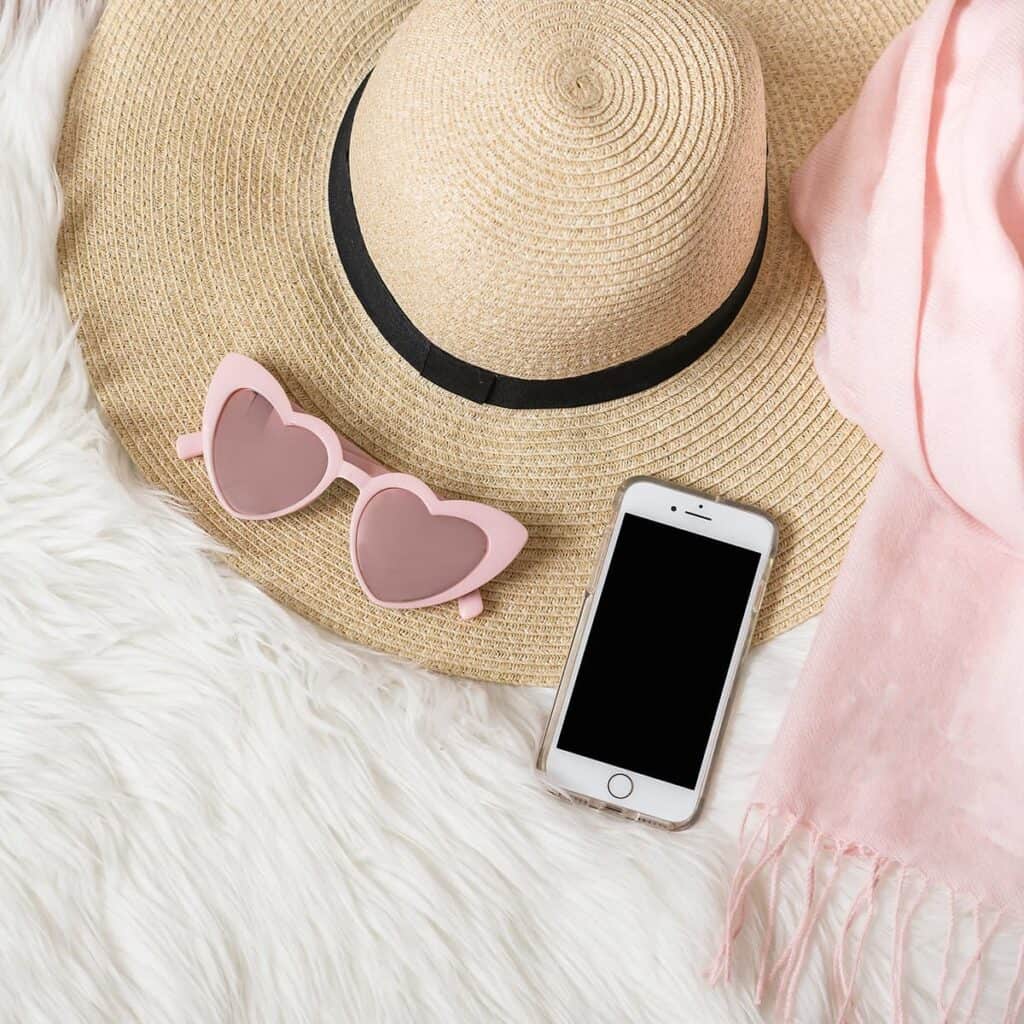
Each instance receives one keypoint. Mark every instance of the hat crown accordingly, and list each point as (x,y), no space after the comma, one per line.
(549,189)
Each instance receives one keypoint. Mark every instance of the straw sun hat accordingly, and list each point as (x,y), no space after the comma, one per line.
(538,252)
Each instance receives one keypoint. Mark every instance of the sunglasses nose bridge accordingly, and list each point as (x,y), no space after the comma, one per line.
(349,471)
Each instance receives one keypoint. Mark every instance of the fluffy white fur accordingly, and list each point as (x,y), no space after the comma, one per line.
(211,811)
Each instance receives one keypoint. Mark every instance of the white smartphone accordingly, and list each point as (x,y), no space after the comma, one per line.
(665,623)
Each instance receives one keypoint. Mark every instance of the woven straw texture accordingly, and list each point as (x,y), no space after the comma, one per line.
(593,195)
(195,158)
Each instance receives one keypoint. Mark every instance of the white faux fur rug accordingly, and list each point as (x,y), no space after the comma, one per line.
(210,811)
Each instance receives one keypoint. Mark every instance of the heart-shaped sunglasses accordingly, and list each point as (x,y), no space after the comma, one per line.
(410,549)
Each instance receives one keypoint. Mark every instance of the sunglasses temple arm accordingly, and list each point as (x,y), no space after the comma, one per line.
(471,605)
(189,446)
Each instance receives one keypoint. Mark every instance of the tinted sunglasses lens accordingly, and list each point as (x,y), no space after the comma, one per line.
(261,465)
(407,554)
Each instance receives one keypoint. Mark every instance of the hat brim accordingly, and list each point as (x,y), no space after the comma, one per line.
(195,161)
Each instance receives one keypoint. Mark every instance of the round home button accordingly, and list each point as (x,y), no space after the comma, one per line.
(620,786)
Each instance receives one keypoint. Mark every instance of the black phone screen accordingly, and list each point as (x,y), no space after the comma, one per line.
(655,664)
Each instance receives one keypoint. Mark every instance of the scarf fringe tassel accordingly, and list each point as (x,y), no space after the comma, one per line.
(781,844)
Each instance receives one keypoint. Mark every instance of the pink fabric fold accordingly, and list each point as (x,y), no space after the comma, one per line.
(904,746)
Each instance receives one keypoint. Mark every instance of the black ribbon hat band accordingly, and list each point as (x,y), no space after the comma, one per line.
(485,386)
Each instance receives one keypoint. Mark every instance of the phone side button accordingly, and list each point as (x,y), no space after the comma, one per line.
(620,786)
(580,618)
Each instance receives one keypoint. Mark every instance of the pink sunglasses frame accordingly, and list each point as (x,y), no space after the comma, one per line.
(346,461)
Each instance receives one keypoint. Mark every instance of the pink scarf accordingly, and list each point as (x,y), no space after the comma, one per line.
(904,743)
